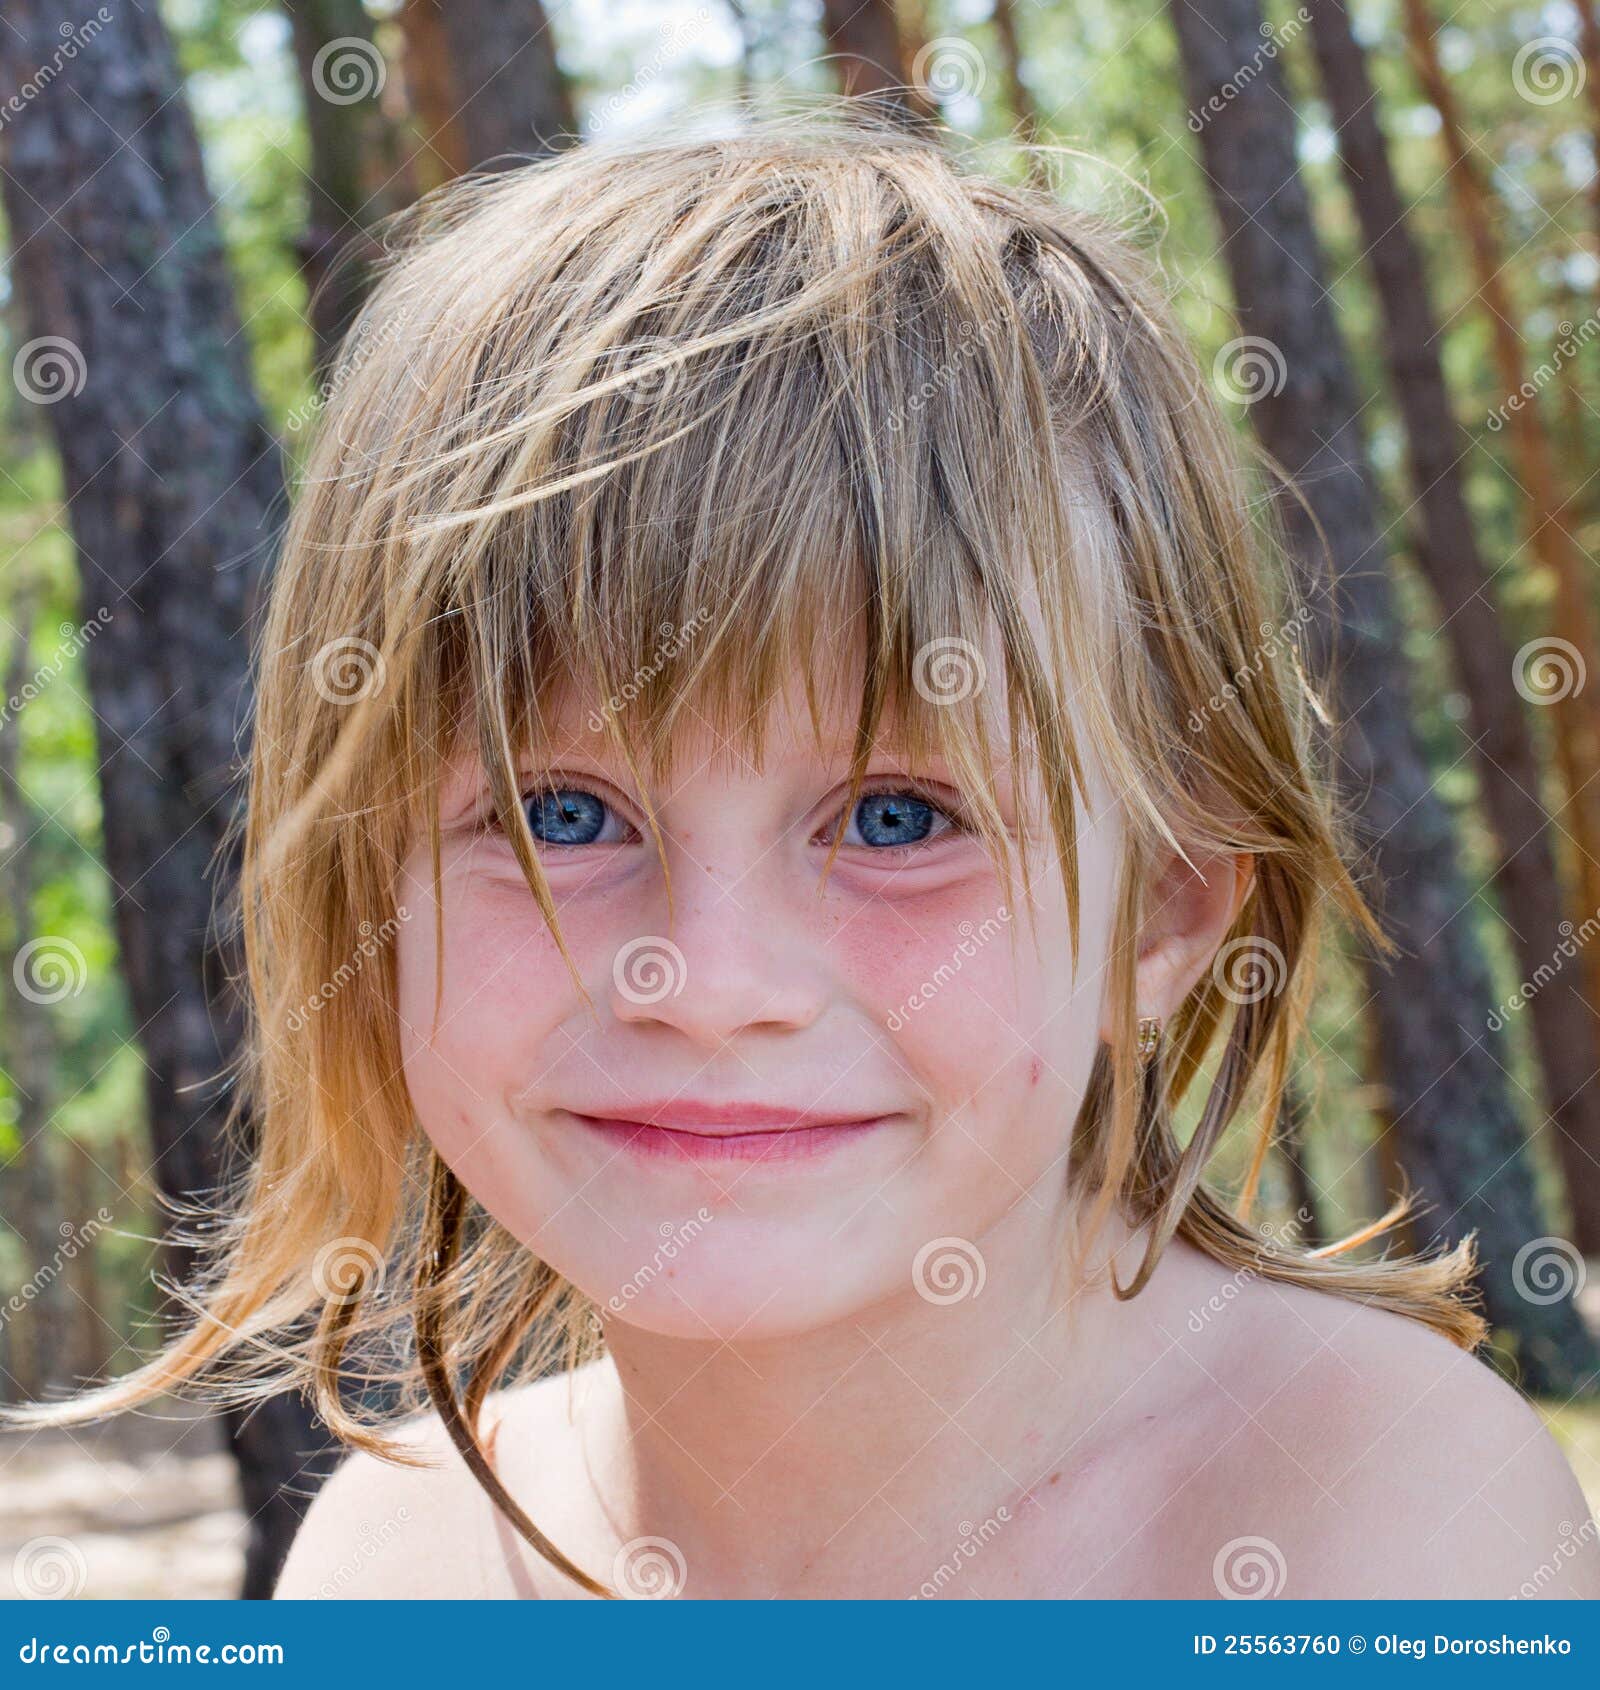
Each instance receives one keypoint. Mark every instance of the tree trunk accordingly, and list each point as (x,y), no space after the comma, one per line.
(864,40)
(1589,51)
(174,488)
(485,83)
(341,76)
(1571,652)
(1291,1141)
(1508,769)
(1019,95)
(1455,1127)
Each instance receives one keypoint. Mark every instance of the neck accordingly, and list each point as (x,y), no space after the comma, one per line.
(855,1459)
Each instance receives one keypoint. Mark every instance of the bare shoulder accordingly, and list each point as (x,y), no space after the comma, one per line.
(380,1530)
(1389,1462)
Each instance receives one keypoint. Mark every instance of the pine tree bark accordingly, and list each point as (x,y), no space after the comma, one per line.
(1018,94)
(1456,1130)
(174,489)
(342,73)
(865,42)
(1563,1025)
(485,83)
(1575,698)
(1589,51)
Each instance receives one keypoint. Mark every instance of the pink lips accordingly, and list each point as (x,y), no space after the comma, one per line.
(740,1132)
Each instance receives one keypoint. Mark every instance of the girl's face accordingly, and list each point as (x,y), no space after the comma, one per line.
(790,1098)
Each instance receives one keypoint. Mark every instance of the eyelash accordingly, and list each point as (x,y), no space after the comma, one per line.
(944,807)
(889,784)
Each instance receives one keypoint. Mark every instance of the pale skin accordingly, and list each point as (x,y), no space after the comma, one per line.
(787,1400)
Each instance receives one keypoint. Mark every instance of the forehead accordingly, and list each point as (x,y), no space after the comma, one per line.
(575,729)
(668,719)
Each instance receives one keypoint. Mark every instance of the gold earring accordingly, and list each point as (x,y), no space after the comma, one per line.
(1149,1041)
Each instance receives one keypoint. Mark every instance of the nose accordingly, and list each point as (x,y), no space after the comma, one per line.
(733,961)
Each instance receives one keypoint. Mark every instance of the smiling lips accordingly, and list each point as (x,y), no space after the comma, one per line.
(743,1132)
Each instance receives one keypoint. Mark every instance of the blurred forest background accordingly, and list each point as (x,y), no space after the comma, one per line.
(1383,226)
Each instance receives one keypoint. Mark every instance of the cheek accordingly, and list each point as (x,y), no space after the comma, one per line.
(981,1008)
(503,988)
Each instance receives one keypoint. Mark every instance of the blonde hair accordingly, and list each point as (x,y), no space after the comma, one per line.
(634,417)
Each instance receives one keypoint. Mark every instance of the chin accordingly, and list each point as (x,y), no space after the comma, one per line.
(738,1281)
(730,1315)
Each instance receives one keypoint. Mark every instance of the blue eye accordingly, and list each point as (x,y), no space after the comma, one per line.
(568,816)
(571,816)
(888,819)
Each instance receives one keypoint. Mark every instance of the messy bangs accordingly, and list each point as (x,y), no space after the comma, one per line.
(670,426)
(772,434)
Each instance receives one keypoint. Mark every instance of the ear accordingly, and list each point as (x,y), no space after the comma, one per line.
(1189,910)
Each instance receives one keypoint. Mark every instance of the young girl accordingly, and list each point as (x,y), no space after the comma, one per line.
(779,762)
